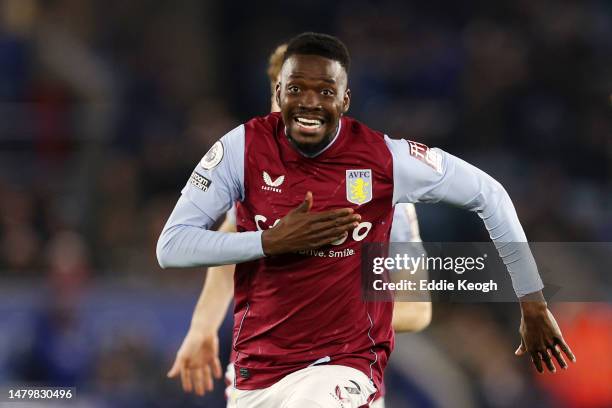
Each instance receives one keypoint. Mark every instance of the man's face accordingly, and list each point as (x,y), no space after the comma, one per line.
(312,95)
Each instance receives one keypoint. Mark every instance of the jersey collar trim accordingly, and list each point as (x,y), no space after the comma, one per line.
(320,152)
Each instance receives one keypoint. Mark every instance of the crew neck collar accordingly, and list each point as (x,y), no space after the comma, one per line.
(310,156)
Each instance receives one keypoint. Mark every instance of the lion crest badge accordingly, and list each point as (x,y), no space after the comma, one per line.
(359,186)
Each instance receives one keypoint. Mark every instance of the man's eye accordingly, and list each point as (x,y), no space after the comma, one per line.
(327,92)
(293,89)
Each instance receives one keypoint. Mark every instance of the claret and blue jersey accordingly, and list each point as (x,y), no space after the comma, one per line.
(294,309)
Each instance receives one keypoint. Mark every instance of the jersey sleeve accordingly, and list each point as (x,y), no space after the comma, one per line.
(429,175)
(214,185)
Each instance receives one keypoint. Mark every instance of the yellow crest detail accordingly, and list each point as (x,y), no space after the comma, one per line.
(358,190)
(359,186)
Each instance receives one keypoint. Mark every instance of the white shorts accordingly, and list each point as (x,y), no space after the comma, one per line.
(230,394)
(379,403)
(322,386)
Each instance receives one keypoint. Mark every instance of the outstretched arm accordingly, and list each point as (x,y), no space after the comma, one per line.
(197,360)
(432,175)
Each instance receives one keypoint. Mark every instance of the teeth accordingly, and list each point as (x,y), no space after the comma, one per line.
(309,123)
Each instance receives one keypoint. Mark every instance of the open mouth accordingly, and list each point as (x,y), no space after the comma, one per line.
(309,123)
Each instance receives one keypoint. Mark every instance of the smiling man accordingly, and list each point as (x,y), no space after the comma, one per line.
(197,360)
(313,178)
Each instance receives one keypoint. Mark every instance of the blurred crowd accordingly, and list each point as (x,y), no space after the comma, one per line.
(106,106)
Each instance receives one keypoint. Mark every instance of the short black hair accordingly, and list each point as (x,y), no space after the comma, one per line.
(323,45)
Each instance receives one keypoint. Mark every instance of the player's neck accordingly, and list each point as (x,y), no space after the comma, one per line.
(317,149)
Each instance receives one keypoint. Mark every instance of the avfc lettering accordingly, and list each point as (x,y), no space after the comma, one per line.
(355,174)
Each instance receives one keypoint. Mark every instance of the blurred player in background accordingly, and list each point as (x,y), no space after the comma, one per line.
(197,360)
(303,335)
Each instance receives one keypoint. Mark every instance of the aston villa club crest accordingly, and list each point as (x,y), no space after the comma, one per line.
(359,186)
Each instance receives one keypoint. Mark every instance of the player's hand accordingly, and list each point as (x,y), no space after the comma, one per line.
(197,361)
(541,337)
(302,229)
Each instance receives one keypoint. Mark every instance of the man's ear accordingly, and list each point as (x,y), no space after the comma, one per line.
(346,102)
(277,93)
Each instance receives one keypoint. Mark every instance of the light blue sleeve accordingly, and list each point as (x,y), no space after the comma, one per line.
(215,184)
(432,175)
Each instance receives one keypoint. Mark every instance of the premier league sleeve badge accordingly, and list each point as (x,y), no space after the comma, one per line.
(213,157)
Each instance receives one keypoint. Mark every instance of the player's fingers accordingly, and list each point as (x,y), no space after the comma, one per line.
(331,234)
(331,231)
(537,362)
(349,219)
(555,350)
(217,372)
(331,214)
(348,222)
(548,361)
(186,380)
(198,381)
(521,349)
(306,205)
(208,382)
(566,349)
(174,371)
(335,240)
(338,239)
(331,240)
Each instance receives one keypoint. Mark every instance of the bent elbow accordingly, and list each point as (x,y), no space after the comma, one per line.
(497,191)
(162,253)
(490,198)
(425,320)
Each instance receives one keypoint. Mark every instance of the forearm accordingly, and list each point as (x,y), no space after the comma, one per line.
(475,190)
(214,300)
(217,292)
(189,246)
(411,316)
(186,241)
(507,234)
(431,175)
(533,304)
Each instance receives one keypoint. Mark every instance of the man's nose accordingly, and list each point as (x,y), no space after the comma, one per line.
(310,100)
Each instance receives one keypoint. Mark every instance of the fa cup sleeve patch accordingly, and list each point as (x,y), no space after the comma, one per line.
(199,181)
(213,157)
(430,157)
